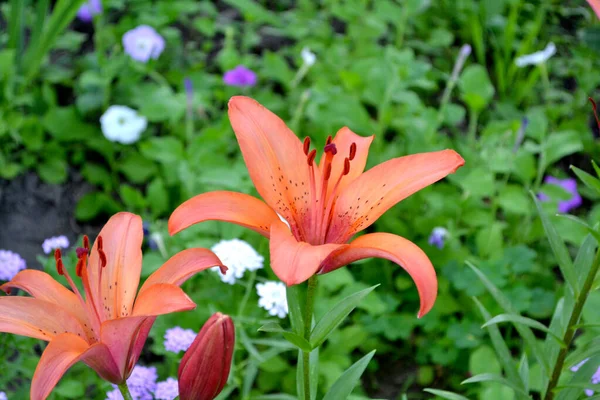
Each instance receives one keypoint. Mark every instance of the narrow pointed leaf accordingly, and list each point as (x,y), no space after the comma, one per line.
(579,221)
(524,331)
(524,371)
(518,319)
(502,350)
(587,179)
(336,315)
(494,378)
(596,168)
(444,394)
(343,387)
(295,309)
(559,249)
(291,337)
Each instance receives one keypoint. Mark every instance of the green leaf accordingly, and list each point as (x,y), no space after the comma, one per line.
(587,179)
(65,125)
(253,11)
(53,170)
(291,337)
(524,331)
(558,248)
(502,350)
(524,371)
(157,193)
(137,168)
(295,309)
(342,388)
(92,204)
(559,145)
(444,394)
(476,88)
(518,319)
(163,149)
(336,315)
(591,230)
(494,378)
(132,197)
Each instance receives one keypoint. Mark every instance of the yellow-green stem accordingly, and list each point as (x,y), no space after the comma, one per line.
(571,327)
(125,391)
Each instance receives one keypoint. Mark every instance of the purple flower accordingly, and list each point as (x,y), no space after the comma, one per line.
(87,11)
(10,264)
(141,383)
(576,367)
(438,236)
(178,339)
(167,390)
(3,396)
(240,76)
(55,242)
(143,43)
(570,185)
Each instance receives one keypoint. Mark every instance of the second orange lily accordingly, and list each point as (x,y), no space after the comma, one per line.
(108,327)
(321,206)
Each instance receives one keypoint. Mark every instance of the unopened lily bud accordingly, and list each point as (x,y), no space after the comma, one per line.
(204,368)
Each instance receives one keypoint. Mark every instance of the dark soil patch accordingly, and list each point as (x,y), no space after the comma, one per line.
(31,211)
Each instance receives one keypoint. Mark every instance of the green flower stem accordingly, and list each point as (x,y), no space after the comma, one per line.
(571,327)
(125,391)
(308,314)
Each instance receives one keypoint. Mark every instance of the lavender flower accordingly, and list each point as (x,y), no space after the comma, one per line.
(240,76)
(55,242)
(576,367)
(87,11)
(438,237)
(3,396)
(178,339)
(10,264)
(141,383)
(167,390)
(464,52)
(570,185)
(272,297)
(143,43)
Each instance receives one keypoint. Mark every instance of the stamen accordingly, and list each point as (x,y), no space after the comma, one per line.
(352,151)
(329,139)
(81,251)
(311,157)
(60,268)
(346,166)
(327,172)
(86,242)
(101,253)
(306,145)
(331,148)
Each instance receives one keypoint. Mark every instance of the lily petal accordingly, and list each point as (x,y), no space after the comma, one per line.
(162,298)
(121,336)
(60,354)
(343,140)
(36,318)
(122,242)
(396,249)
(378,189)
(99,358)
(182,266)
(292,261)
(274,156)
(595,4)
(43,286)
(238,208)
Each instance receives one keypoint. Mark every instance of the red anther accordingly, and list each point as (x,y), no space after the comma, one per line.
(329,139)
(60,267)
(81,251)
(100,243)
(331,148)
(57,255)
(352,151)
(306,145)
(79,267)
(86,242)
(102,258)
(346,166)
(311,157)
(327,172)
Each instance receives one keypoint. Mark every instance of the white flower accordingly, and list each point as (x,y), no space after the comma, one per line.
(273,298)
(3,396)
(539,57)
(308,57)
(239,257)
(122,124)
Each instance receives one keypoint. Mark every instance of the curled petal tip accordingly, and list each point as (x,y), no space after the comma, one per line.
(223,268)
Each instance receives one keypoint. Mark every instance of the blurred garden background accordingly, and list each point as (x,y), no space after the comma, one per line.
(109,105)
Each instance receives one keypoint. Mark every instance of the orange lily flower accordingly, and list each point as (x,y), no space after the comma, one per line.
(323,205)
(108,327)
(595,4)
